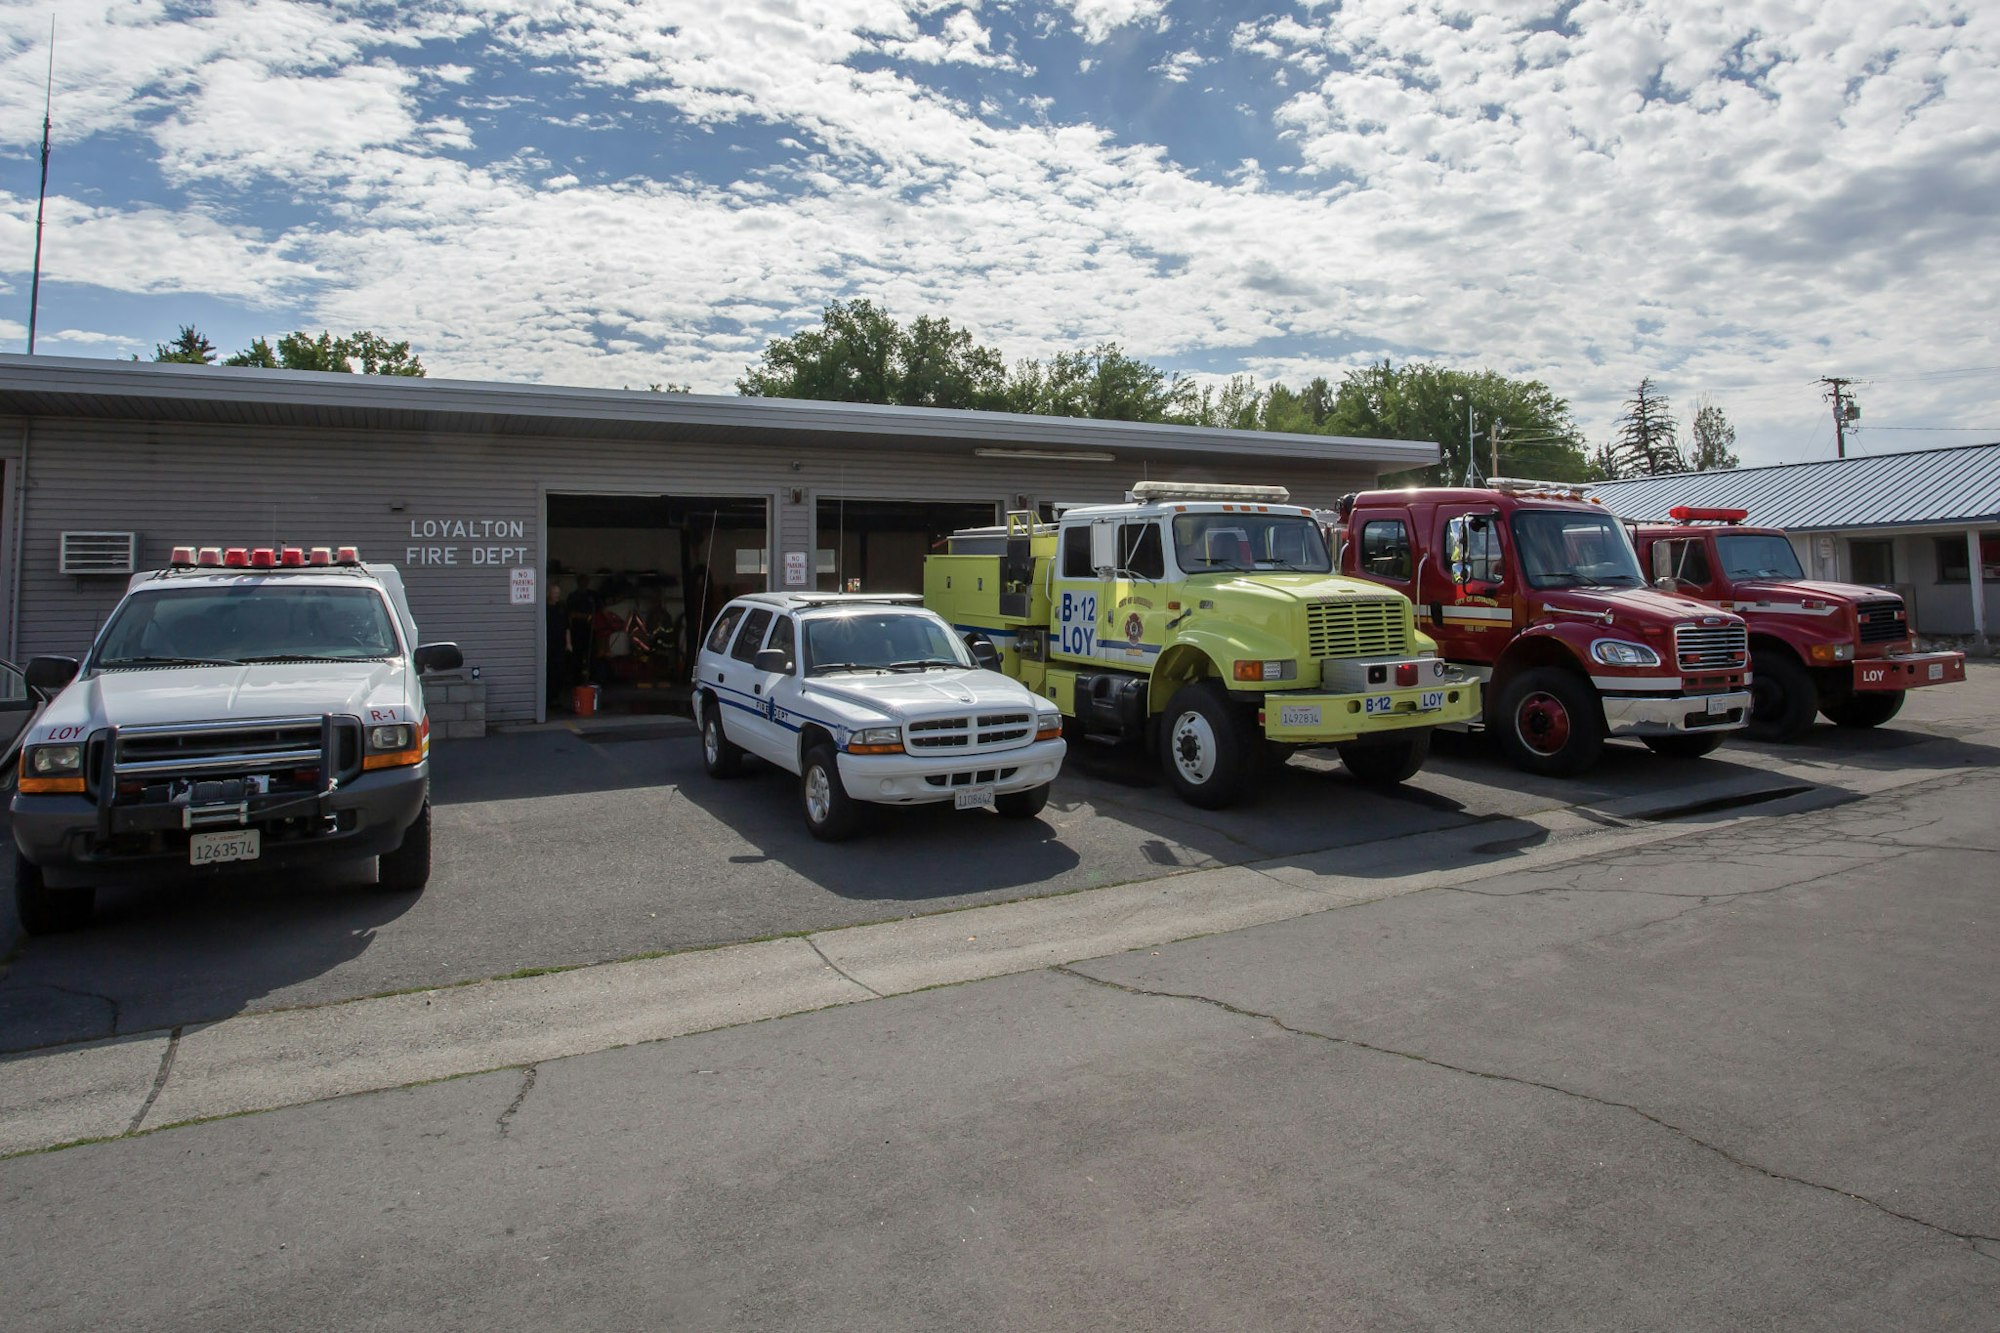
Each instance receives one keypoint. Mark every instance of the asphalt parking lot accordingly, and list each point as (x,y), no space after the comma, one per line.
(560,849)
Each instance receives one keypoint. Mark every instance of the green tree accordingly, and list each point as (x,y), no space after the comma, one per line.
(188,348)
(1647,443)
(849,358)
(1713,446)
(1603,464)
(1105,384)
(375,354)
(1421,401)
(941,366)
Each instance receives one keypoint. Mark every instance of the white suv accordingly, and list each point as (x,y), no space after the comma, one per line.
(869,698)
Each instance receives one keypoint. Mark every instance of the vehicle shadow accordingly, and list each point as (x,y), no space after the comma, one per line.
(521,765)
(186,951)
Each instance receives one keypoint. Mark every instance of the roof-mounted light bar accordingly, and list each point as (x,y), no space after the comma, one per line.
(262,557)
(1702,514)
(1153,492)
(1540,490)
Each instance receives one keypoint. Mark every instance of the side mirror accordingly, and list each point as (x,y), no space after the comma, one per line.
(438,657)
(49,674)
(772,659)
(984,654)
(1103,546)
(1667,583)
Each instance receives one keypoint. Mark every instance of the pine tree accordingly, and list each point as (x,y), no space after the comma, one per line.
(1714,438)
(188,348)
(1646,445)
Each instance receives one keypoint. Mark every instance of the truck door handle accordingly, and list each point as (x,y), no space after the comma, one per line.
(756,689)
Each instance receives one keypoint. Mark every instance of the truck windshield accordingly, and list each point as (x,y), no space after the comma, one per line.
(260,622)
(1204,543)
(879,641)
(1757,555)
(1563,549)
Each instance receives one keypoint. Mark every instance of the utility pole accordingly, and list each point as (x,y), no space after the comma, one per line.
(1845,409)
(48,102)
(1493,437)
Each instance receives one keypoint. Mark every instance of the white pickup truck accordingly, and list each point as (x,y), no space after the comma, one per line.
(869,699)
(241,710)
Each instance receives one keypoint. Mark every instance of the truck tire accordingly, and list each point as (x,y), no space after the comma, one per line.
(831,814)
(408,868)
(1783,697)
(47,911)
(1387,763)
(719,755)
(1684,747)
(1206,749)
(1859,708)
(1550,722)
(1022,804)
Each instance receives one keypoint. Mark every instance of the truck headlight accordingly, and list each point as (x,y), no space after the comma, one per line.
(876,740)
(1283,670)
(52,768)
(1619,653)
(397,745)
(1048,726)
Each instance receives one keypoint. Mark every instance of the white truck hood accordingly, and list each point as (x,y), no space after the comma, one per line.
(145,696)
(907,694)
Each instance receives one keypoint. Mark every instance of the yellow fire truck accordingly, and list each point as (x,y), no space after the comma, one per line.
(1207,622)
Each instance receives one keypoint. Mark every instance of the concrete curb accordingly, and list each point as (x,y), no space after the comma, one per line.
(267,1060)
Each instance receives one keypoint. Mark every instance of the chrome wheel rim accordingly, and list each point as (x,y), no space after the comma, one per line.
(1192,745)
(711,739)
(819,794)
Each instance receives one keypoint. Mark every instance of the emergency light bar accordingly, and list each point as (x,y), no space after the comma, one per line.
(262,557)
(1149,492)
(1697,514)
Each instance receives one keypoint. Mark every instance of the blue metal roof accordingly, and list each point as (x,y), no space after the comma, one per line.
(1955,487)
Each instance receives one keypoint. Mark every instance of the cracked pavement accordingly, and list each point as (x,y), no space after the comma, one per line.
(1737,1076)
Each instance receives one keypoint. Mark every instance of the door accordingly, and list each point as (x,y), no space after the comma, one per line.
(1076,595)
(750,719)
(1468,605)
(1130,629)
(19,707)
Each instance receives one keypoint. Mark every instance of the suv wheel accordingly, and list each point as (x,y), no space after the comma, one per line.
(831,814)
(719,755)
(1022,804)
(46,911)
(408,868)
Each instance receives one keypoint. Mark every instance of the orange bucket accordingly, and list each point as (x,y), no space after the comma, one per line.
(584,700)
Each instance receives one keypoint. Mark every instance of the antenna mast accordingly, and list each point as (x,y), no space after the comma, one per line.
(41,201)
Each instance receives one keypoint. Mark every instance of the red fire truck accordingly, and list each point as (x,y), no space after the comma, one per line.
(1541,593)
(1841,649)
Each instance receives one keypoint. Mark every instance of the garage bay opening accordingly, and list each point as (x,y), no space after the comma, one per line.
(880,545)
(631,582)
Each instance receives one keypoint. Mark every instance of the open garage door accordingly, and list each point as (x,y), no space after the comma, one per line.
(882,543)
(633,579)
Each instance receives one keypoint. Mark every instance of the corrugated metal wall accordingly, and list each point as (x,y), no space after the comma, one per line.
(386,492)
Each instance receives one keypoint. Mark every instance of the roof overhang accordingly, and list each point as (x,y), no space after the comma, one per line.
(71,387)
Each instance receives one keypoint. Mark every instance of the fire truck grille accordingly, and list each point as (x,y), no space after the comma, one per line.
(1712,648)
(969,735)
(1356,629)
(1882,622)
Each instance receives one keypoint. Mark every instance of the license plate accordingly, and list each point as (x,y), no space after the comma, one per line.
(1298,715)
(1430,700)
(1378,703)
(972,798)
(1937,671)
(1719,703)
(207,849)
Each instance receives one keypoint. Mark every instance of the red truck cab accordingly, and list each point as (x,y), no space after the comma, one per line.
(1541,593)
(1841,649)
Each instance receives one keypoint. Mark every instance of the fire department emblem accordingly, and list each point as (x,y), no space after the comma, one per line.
(1135,628)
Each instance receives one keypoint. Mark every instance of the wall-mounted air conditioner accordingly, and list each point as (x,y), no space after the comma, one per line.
(100,552)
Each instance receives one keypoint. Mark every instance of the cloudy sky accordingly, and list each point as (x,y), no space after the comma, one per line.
(1732,198)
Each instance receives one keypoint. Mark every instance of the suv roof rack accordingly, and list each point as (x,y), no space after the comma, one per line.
(838,598)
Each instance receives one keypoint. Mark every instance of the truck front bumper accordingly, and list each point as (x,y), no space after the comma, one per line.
(1668,715)
(365,817)
(1908,671)
(915,779)
(1327,719)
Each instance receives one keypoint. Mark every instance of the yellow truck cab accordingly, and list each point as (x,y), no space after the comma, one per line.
(1206,621)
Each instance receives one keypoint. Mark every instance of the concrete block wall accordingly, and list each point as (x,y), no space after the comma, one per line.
(457,705)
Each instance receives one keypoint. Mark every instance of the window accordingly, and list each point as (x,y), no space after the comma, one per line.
(752,636)
(880,640)
(1685,561)
(1563,549)
(1757,556)
(725,625)
(1872,561)
(1140,552)
(262,621)
(1951,562)
(1221,542)
(1076,552)
(781,637)
(1385,549)
(1472,549)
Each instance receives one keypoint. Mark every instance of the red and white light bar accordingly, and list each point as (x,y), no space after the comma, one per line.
(263,557)
(1698,514)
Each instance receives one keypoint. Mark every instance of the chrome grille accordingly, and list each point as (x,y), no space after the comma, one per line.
(1882,622)
(234,748)
(1712,647)
(1356,629)
(970,734)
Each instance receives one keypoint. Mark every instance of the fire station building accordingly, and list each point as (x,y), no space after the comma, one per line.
(642,512)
